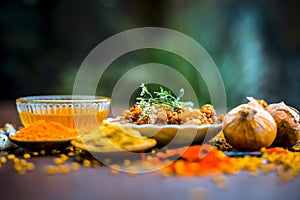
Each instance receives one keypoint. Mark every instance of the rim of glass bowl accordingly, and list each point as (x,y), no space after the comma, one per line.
(63,99)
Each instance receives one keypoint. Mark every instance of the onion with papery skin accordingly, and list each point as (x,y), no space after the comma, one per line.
(249,127)
(288,124)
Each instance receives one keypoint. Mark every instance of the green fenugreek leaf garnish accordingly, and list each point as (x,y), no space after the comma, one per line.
(163,98)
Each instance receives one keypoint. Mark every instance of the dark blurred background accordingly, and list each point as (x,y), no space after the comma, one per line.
(255,44)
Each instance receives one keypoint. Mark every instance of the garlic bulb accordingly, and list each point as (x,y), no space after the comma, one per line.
(249,127)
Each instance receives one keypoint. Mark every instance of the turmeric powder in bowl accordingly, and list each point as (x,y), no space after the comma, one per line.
(44,131)
(44,135)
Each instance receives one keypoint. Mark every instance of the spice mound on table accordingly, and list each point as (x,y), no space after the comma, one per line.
(43,131)
(198,160)
(112,138)
(207,160)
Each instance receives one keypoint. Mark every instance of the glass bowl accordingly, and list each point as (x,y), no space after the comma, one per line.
(80,112)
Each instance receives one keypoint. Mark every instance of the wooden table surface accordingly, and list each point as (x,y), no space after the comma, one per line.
(100,183)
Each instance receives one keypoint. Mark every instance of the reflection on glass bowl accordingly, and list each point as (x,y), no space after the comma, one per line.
(81,112)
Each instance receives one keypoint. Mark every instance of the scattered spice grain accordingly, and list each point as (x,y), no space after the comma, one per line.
(11,156)
(30,166)
(75,166)
(3,160)
(87,163)
(282,161)
(51,169)
(26,155)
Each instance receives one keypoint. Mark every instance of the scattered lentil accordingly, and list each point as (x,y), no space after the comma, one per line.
(23,162)
(19,169)
(26,155)
(58,161)
(95,163)
(70,154)
(51,169)
(64,169)
(30,166)
(61,160)
(64,157)
(3,160)
(10,156)
(87,163)
(75,166)
(16,160)
(43,152)
(35,153)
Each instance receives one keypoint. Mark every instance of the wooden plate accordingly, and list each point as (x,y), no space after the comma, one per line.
(174,134)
